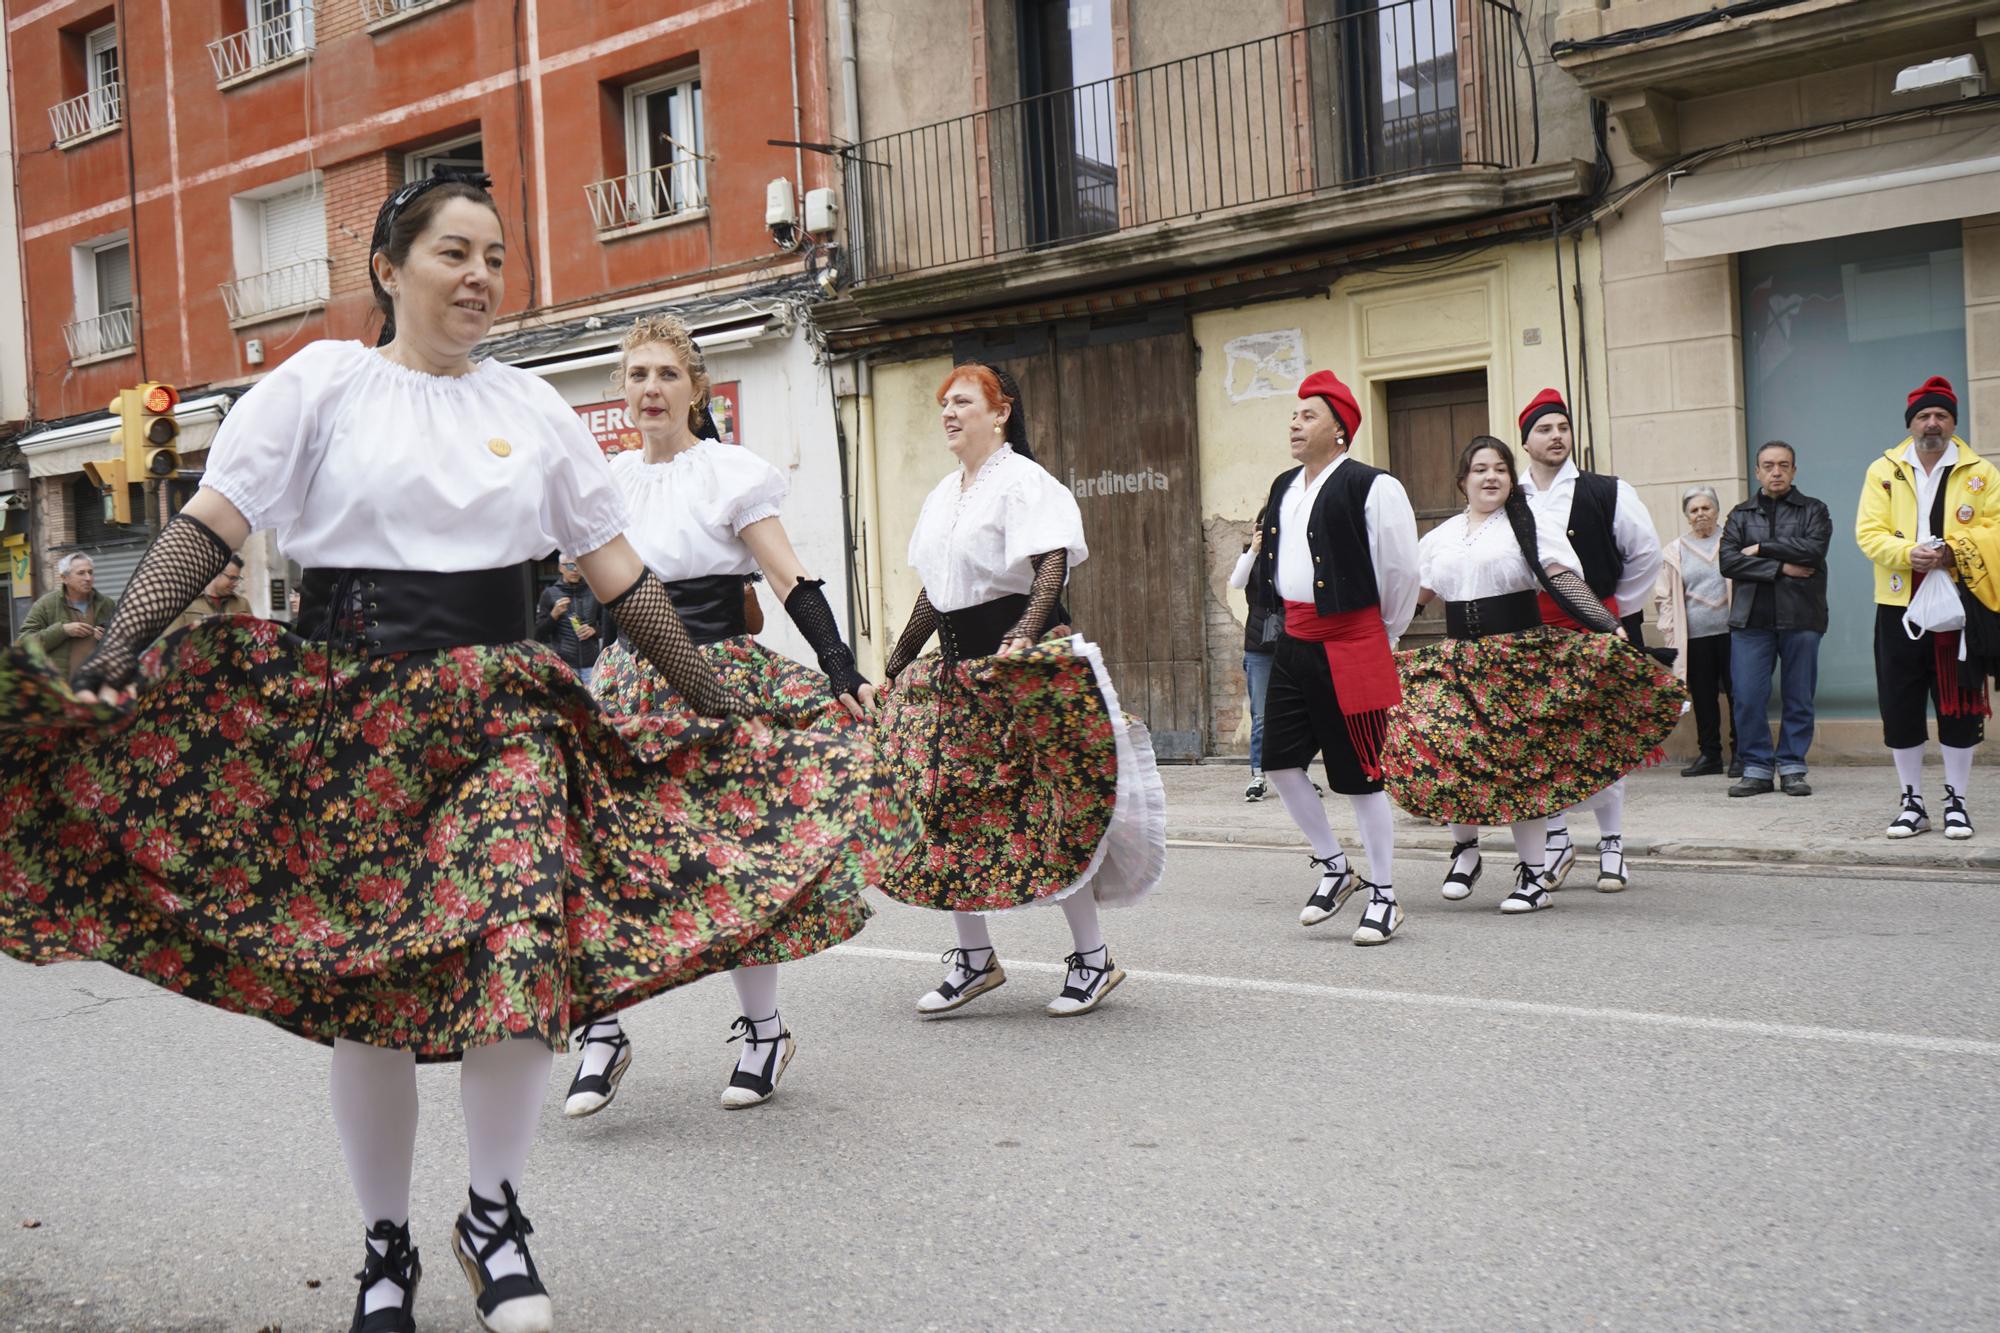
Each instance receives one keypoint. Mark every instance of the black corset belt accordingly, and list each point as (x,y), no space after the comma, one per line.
(1486,616)
(377,611)
(710,607)
(978,631)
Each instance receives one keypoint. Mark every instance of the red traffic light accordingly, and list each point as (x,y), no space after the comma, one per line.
(160,398)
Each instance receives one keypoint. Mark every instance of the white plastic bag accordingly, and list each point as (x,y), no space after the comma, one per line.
(1934,607)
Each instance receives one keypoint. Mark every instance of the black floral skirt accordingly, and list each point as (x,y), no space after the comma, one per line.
(1031,782)
(423,851)
(1517,726)
(643,707)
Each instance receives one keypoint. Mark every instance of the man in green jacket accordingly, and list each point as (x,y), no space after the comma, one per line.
(69,621)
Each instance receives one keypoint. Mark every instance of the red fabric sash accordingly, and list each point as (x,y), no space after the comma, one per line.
(1364,672)
(1553,614)
(1954,700)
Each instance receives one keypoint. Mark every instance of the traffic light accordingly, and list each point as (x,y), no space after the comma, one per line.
(108,476)
(159,432)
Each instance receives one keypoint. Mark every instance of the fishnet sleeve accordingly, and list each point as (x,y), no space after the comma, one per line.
(922,624)
(647,619)
(1576,598)
(176,568)
(806,605)
(1051,572)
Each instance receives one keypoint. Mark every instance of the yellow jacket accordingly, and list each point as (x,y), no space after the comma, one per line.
(1885,526)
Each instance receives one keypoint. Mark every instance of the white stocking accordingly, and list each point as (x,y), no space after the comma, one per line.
(1531,839)
(1377,821)
(1081,909)
(1910,768)
(1302,803)
(1609,807)
(374,1095)
(757,997)
(1957,767)
(501,1087)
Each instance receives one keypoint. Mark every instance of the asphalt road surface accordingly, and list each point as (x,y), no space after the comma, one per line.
(1725,1099)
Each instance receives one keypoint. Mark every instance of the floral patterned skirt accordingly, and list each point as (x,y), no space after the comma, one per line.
(641,705)
(1516,726)
(424,851)
(1030,779)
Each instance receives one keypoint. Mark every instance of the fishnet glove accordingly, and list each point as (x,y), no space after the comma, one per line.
(176,568)
(1576,598)
(647,619)
(923,623)
(807,607)
(1051,572)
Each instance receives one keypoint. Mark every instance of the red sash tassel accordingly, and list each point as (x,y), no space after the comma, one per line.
(1364,672)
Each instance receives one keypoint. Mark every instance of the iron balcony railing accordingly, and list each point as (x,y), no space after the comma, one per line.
(100,334)
(648,196)
(99,109)
(381,11)
(292,287)
(1410,86)
(279,37)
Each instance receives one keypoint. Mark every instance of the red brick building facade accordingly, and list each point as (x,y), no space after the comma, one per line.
(199,178)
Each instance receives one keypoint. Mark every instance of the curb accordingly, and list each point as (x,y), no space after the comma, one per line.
(1850,855)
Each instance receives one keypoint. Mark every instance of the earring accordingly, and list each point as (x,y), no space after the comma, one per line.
(999,429)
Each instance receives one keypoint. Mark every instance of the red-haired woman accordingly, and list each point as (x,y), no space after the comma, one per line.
(1033,784)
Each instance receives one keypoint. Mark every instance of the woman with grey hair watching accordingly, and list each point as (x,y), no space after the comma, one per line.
(1692,599)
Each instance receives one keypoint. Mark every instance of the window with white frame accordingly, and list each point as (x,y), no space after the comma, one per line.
(280,246)
(467,154)
(100,60)
(663,145)
(101,273)
(281,28)
(100,106)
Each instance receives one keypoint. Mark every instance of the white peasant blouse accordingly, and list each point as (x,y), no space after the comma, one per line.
(1463,566)
(689,512)
(976,544)
(358,462)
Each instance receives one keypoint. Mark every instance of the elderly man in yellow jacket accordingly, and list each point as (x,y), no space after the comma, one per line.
(1930,508)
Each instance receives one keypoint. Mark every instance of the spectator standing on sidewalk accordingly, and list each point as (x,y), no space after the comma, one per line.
(69,621)
(1774,551)
(1930,509)
(571,620)
(222,597)
(1692,602)
(1261,628)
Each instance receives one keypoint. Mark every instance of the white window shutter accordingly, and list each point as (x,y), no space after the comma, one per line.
(294,231)
(114,278)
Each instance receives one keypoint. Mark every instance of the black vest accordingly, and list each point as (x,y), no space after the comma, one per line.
(1592,507)
(1337,535)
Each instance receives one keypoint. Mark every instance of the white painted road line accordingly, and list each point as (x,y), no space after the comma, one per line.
(1738,1027)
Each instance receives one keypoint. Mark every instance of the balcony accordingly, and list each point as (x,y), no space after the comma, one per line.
(380,14)
(1429,104)
(655,198)
(81,118)
(282,40)
(101,336)
(293,289)
(1645,57)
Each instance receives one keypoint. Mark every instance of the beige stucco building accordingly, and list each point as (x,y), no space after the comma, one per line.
(1160,218)
(1803,224)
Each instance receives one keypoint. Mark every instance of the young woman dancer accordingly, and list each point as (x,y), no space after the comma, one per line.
(1503,722)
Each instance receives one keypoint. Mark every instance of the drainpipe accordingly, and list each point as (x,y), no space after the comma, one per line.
(868,483)
(798,119)
(850,127)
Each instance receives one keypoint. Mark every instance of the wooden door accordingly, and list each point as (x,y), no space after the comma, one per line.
(1430,421)
(1111,413)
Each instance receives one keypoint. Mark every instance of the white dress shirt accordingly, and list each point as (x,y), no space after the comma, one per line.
(361,463)
(1928,483)
(1631,530)
(1392,545)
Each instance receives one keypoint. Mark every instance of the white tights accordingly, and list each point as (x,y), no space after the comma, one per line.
(977,940)
(1373,817)
(374,1095)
